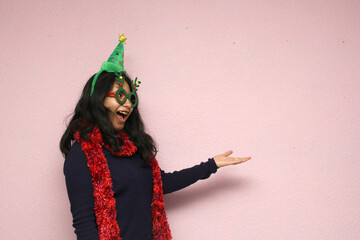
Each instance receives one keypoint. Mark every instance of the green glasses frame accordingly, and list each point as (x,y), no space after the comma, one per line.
(122,95)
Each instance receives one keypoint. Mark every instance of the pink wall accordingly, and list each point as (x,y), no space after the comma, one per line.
(275,80)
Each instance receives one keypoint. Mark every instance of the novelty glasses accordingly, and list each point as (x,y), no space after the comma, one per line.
(122,95)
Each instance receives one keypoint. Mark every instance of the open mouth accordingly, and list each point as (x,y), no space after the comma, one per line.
(122,114)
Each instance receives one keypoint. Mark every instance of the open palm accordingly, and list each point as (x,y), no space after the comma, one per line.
(222,160)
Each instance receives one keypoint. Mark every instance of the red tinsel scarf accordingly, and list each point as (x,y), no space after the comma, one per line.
(104,201)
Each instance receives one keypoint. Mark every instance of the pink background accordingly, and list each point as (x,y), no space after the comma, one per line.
(274,80)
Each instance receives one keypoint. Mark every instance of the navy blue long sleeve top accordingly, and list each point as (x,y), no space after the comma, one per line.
(132,185)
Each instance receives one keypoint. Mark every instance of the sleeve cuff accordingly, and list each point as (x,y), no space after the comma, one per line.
(213,166)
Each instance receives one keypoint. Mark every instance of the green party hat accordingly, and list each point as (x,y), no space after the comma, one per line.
(115,63)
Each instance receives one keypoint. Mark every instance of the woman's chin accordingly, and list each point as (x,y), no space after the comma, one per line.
(119,127)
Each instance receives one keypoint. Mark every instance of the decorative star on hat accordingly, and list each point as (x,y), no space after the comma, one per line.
(122,38)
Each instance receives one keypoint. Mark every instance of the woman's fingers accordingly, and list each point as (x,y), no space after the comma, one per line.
(222,159)
(237,160)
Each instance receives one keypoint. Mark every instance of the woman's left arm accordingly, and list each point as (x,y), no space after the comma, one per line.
(180,179)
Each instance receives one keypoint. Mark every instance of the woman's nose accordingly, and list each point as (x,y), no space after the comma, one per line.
(127,103)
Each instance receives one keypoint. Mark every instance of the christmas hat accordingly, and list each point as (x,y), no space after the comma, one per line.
(115,63)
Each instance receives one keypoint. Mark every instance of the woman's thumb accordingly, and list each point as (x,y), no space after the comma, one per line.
(227,153)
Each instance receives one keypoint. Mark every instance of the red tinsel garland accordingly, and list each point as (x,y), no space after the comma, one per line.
(104,201)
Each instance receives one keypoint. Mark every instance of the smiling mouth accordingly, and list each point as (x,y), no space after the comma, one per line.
(122,115)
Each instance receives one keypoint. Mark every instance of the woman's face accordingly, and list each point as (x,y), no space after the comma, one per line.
(118,113)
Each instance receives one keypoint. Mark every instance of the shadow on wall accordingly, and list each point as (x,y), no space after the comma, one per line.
(225,185)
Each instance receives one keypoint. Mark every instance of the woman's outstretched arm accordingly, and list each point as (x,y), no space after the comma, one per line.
(177,180)
(180,179)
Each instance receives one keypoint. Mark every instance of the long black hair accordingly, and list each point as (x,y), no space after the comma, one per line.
(90,111)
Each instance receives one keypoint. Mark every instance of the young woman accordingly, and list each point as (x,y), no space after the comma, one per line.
(114,182)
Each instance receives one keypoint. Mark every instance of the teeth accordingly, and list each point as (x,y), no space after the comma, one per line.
(122,112)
